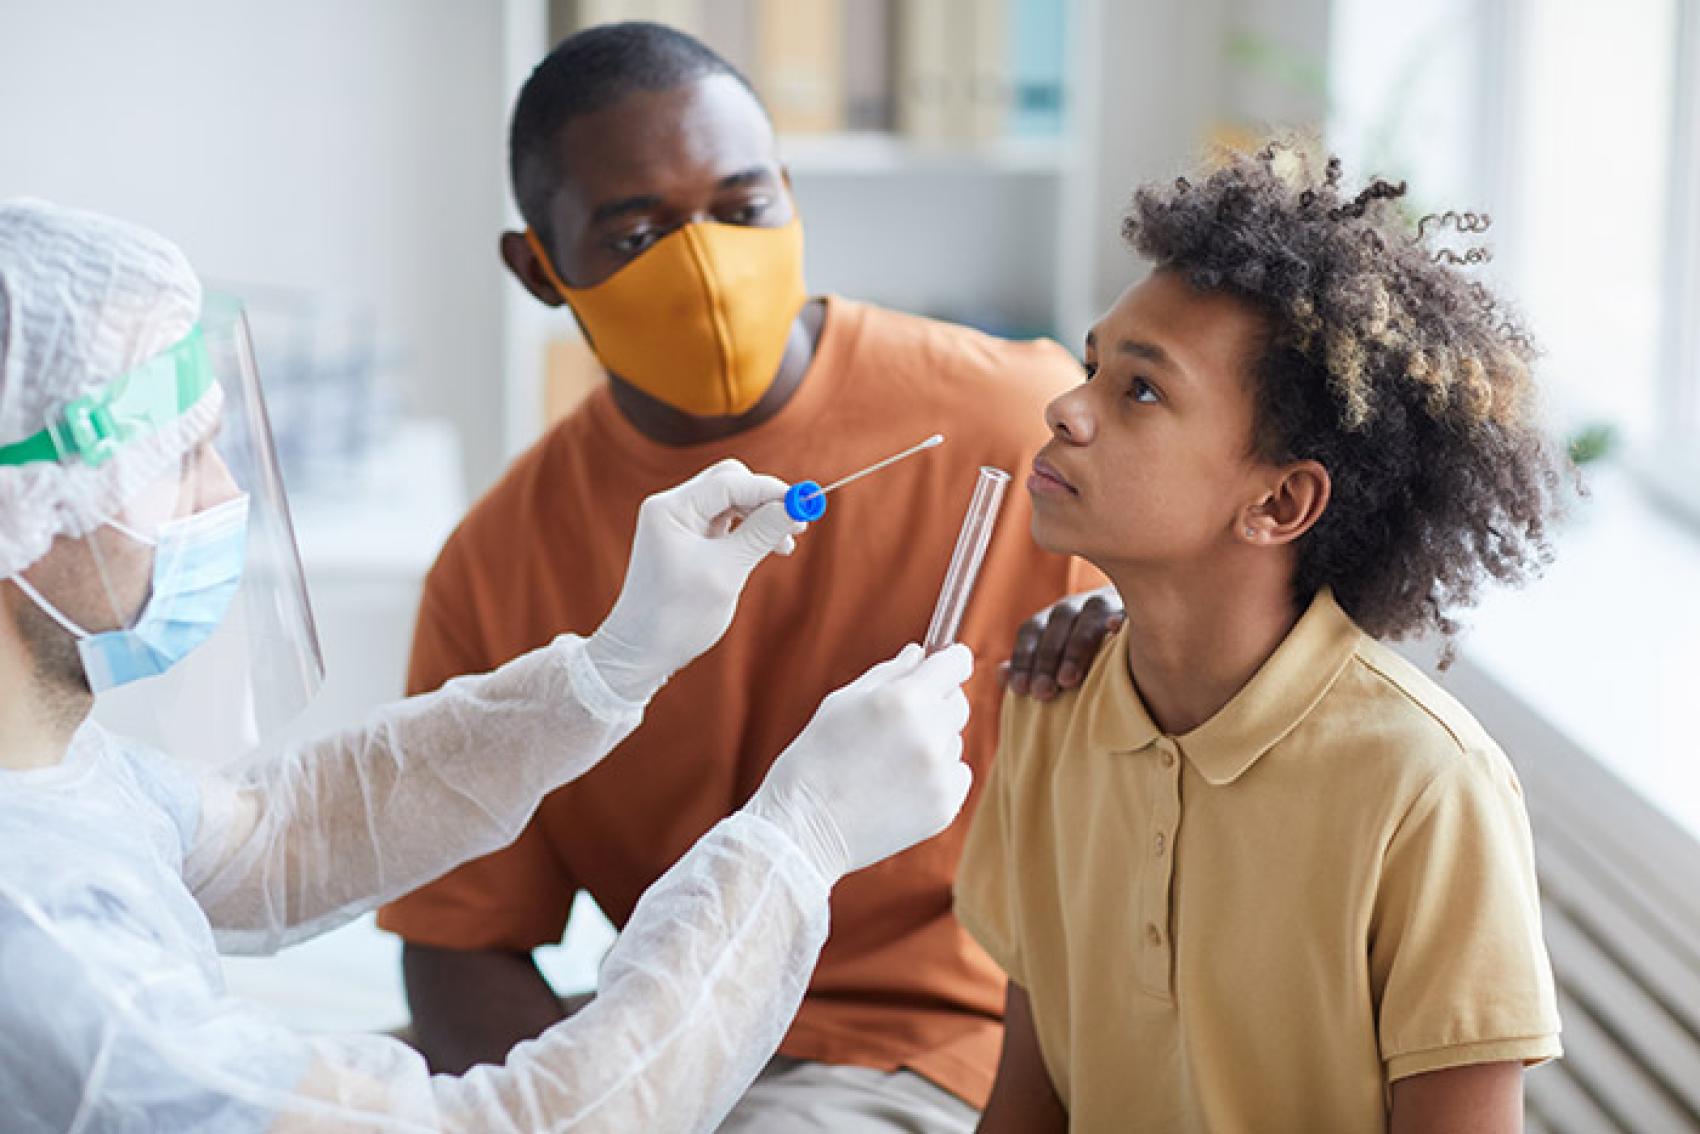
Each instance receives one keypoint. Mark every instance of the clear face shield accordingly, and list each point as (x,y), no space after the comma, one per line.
(185,608)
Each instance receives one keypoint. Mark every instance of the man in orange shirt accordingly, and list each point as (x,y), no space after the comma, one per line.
(646,169)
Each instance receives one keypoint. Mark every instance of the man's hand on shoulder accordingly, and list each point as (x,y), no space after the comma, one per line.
(1054,648)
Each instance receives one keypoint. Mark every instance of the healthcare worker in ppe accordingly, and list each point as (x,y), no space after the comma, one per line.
(150,574)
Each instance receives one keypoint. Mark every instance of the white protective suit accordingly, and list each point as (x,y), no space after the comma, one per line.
(113,864)
(123,873)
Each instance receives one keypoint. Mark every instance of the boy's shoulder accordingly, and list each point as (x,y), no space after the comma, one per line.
(1034,732)
(1401,717)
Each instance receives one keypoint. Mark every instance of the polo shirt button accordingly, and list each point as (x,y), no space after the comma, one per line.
(1162,844)
(1168,756)
(1153,934)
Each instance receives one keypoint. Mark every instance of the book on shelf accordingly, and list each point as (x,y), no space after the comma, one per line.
(926,81)
(988,86)
(936,72)
(957,60)
(1038,56)
(729,27)
(868,65)
(800,64)
(568,16)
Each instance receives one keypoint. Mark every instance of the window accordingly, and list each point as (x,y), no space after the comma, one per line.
(1676,461)
(1586,188)
(1577,125)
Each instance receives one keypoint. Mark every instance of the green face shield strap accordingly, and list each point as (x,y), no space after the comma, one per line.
(143,401)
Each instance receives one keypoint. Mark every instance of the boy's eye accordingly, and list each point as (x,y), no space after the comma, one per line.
(1090,369)
(1142,391)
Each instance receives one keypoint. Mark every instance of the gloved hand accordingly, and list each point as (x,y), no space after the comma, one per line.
(879,768)
(687,569)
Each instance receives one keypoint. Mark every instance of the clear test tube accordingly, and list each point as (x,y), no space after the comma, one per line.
(971,543)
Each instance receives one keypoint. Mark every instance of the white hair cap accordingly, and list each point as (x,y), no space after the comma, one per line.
(83,299)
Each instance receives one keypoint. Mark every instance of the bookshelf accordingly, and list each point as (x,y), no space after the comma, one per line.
(869,153)
(981,211)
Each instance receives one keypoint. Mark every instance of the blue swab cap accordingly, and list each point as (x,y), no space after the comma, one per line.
(805,502)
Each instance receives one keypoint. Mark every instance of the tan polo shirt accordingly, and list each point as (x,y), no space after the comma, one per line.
(1259,925)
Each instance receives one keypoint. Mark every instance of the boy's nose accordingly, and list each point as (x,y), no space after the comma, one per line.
(1068,417)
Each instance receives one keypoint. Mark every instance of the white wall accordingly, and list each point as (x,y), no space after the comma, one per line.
(351,148)
(1167,83)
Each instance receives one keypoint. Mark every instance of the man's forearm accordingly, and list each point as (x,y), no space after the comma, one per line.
(471,1007)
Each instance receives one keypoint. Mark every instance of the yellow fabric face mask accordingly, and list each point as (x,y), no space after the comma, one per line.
(699,320)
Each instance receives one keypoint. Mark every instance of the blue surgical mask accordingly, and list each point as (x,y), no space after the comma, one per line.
(197,567)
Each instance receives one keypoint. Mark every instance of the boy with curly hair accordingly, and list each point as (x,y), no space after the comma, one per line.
(1258,872)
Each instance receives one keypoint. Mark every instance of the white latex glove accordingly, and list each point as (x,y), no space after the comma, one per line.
(687,569)
(879,768)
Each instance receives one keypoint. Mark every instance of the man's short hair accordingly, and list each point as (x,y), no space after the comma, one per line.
(586,72)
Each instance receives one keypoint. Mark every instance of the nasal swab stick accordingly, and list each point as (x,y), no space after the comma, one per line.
(806,500)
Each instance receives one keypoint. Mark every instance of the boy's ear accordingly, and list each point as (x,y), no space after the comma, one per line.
(1290,507)
(517,254)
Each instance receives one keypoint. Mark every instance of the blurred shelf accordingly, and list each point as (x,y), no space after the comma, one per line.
(879,153)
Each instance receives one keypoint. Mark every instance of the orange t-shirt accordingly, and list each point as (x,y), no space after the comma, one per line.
(900,984)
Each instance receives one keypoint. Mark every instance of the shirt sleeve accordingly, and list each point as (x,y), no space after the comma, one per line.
(986,882)
(516,898)
(330,829)
(1459,969)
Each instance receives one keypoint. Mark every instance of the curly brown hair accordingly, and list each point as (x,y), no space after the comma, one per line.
(1410,383)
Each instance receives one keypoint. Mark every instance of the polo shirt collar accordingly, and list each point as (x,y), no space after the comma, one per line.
(1119,720)
(1280,695)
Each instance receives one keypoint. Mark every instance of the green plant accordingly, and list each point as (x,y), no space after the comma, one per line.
(1592,442)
